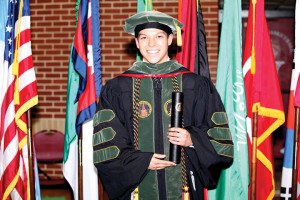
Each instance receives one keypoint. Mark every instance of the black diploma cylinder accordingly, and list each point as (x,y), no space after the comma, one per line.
(176,121)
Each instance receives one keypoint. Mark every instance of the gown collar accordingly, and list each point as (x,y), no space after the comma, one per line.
(162,68)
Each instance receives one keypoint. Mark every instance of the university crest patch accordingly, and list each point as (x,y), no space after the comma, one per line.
(145,109)
(168,107)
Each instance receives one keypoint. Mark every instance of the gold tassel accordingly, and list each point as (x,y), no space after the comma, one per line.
(136,194)
(185,193)
(179,39)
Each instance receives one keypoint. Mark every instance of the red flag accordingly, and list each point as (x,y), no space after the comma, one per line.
(263,94)
(192,54)
(84,64)
(187,15)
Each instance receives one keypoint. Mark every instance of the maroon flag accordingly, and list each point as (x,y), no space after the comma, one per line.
(192,54)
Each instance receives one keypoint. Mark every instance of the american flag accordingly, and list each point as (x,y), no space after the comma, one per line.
(18,94)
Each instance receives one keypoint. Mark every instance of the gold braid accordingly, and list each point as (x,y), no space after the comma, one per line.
(136,98)
(183,165)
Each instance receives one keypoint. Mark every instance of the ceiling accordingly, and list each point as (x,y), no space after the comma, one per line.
(278,5)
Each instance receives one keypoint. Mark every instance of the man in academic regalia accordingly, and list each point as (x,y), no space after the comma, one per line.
(132,135)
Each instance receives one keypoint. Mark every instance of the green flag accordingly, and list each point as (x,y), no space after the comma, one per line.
(143,5)
(70,165)
(70,162)
(233,182)
(71,105)
(71,111)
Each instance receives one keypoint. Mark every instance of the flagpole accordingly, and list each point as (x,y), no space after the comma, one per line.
(254,150)
(80,180)
(296,141)
(30,157)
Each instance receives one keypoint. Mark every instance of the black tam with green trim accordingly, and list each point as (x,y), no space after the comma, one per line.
(151,19)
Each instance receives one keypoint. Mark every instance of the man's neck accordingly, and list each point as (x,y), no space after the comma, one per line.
(157,63)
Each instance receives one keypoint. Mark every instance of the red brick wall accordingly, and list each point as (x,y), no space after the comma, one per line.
(53,27)
(54,171)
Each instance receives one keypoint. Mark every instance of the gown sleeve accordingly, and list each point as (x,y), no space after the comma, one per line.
(212,149)
(120,167)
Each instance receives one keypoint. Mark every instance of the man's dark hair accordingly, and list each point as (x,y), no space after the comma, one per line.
(157,25)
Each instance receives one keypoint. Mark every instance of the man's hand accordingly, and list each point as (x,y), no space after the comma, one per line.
(180,136)
(157,164)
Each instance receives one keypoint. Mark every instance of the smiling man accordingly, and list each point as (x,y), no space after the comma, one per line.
(153,44)
(131,127)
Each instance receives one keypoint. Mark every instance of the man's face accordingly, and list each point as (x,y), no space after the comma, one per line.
(153,44)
